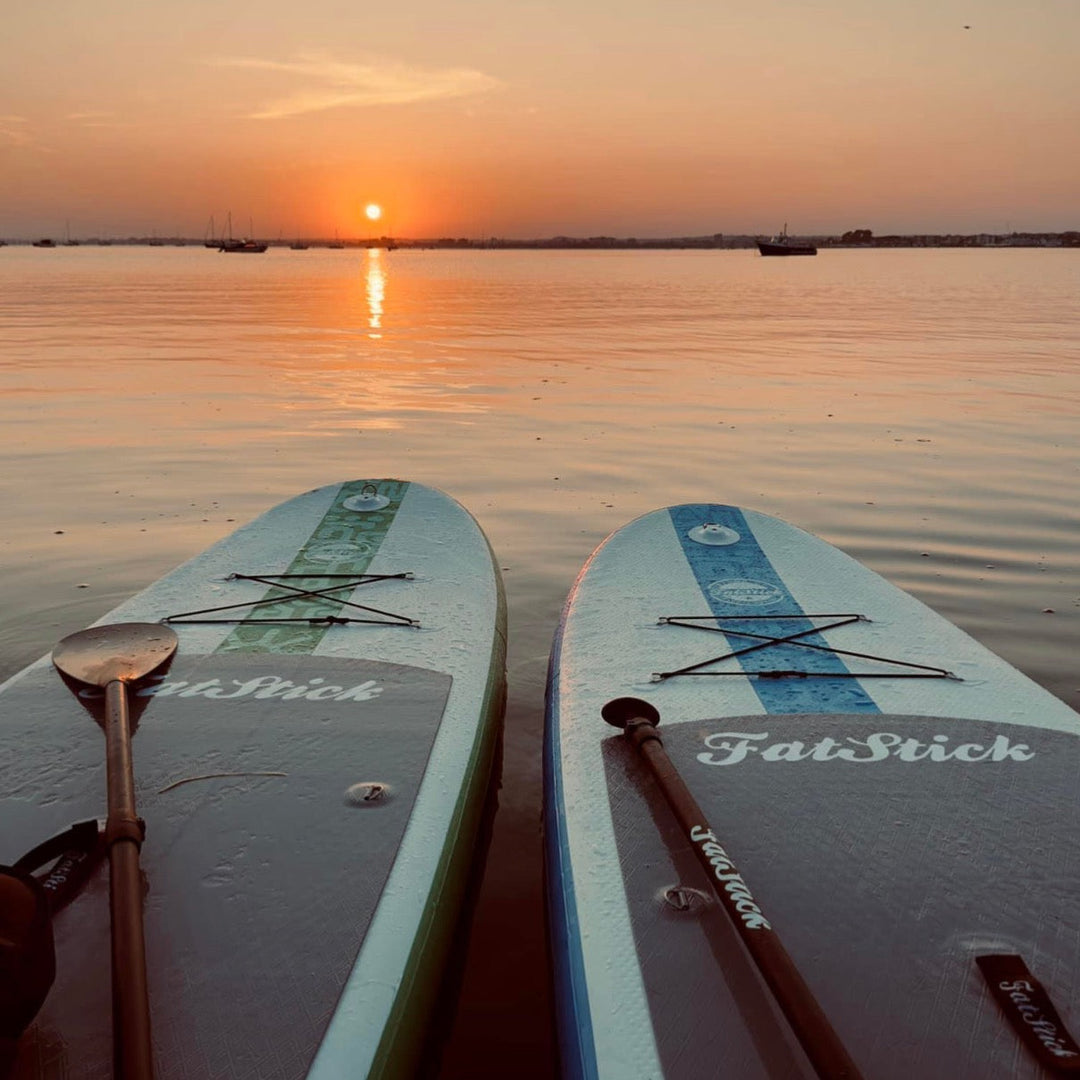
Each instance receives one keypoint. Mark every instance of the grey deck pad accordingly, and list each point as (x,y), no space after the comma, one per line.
(884,876)
(260,888)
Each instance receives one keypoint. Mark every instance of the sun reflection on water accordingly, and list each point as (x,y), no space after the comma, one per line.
(376,291)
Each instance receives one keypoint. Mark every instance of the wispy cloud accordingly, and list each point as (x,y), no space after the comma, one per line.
(96,118)
(330,84)
(16,132)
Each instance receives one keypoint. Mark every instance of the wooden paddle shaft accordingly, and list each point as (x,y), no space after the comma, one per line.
(811,1026)
(133,1050)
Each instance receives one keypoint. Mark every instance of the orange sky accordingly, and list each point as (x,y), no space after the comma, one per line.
(481,118)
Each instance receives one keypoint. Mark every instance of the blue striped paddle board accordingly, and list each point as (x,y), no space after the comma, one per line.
(901,802)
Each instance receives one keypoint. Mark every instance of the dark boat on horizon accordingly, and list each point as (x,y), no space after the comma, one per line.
(243,247)
(239,247)
(782,245)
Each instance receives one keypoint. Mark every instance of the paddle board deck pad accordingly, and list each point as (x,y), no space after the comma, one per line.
(312,770)
(898,800)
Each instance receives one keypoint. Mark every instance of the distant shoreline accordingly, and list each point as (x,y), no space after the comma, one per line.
(861,238)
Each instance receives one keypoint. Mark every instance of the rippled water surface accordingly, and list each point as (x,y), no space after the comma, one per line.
(917,408)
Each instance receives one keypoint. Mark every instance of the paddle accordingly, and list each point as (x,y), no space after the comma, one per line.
(111,657)
(811,1026)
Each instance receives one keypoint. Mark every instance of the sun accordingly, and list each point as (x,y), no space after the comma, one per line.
(373,211)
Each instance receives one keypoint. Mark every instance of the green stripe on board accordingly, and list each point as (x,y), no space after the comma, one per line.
(344,542)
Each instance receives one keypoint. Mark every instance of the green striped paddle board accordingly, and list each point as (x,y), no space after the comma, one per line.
(312,769)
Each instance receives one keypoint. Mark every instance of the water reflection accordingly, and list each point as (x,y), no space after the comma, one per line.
(914,407)
(376,290)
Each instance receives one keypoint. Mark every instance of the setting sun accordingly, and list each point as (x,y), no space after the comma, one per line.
(373,211)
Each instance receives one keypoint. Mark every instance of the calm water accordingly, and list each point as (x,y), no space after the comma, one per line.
(918,408)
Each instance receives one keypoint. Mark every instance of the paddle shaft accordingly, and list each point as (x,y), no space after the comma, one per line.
(809,1023)
(133,1051)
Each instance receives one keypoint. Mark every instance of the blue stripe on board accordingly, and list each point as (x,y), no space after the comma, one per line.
(738,579)
(574,1019)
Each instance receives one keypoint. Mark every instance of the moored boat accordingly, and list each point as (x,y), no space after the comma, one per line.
(247,247)
(783,245)
(240,247)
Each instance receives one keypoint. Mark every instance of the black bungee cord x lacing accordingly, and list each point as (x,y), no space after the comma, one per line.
(292,592)
(765,641)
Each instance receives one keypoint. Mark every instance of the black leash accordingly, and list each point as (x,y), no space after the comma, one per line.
(29,898)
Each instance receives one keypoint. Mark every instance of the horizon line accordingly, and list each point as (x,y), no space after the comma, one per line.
(852,237)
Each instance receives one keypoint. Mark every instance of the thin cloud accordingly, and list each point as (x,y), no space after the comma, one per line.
(331,84)
(16,132)
(95,118)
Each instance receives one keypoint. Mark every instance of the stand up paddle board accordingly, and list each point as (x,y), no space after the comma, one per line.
(311,767)
(896,803)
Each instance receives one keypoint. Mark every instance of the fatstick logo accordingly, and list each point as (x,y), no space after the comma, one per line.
(724,871)
(261,688)
(744,591)
(732,747)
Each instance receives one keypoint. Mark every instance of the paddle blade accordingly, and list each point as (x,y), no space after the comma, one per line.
(119,651)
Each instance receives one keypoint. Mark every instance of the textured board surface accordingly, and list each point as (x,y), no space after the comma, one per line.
(310,789)
(898,799)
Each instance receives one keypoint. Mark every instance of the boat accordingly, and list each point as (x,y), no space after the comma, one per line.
(248,247)
(239,247)
(298,245)
(45,242)
(783,245)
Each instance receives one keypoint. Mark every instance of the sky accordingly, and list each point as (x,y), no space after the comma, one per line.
(538,118)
